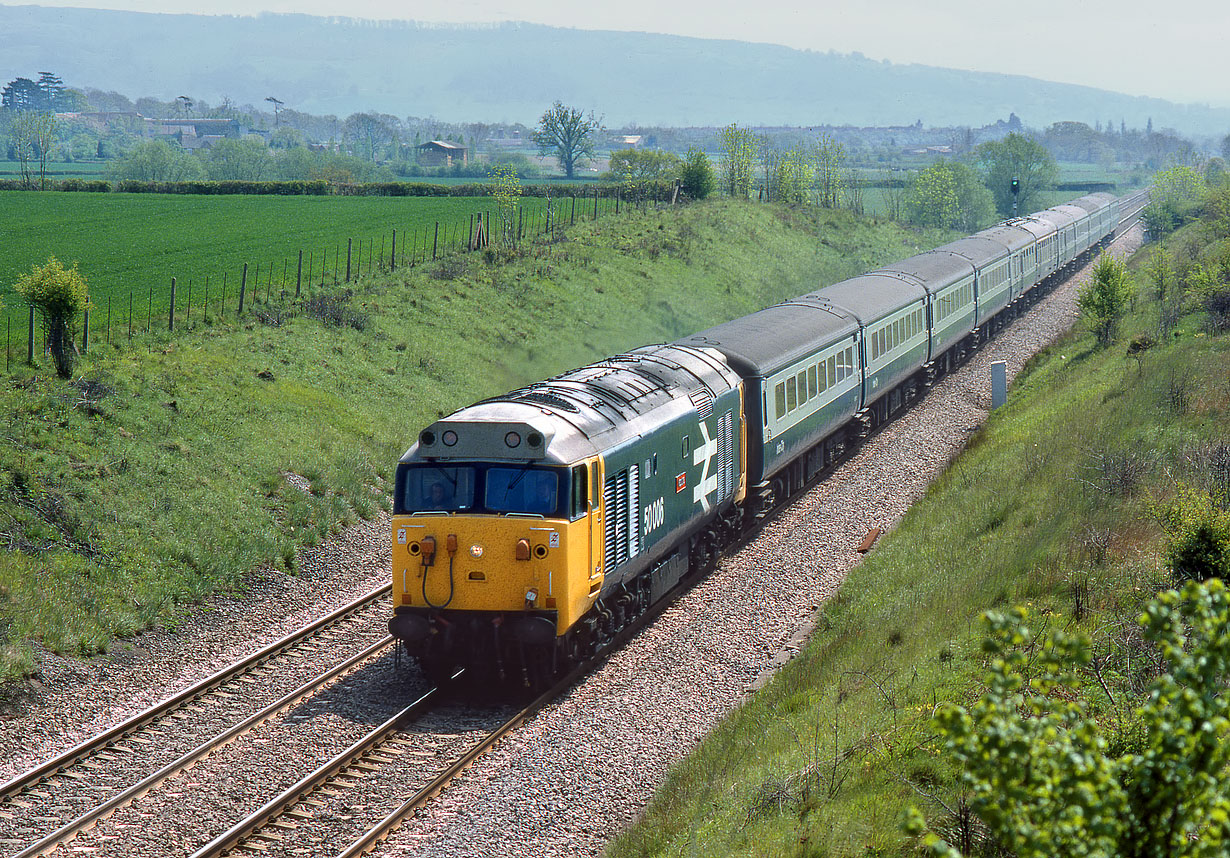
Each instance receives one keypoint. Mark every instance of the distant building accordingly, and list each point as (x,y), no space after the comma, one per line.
(630,141)
(439,153)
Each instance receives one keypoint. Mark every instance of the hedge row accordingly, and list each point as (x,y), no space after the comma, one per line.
(661,190)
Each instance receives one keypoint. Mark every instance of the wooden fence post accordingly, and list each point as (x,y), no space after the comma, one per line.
(573,217)
(108,320)
(595,203)
(299,277)
(243,288)
(393,252)
(85,333)
(349,245)
(30,350)
(171,315)
(435,242)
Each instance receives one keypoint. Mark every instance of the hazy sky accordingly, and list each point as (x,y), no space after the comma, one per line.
(1175,50)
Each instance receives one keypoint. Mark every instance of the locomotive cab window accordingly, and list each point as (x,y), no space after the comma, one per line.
(529,491)
(431,489)
(580,491)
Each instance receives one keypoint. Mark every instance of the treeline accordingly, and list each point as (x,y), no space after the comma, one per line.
(653,191)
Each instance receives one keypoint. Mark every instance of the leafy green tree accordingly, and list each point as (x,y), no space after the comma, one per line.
(644,165)
(1039,765)
(948,194)
(791,177)
(157,161)
(60,295)
(739,148)
(248,160)
(931,197)
(507,199)
(829,175)
(1104,300)
(1175,198)
(1020,157)
(696,176)
(20,94)
(1214,172)
(568,134)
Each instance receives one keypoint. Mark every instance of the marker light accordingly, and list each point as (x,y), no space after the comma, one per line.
(476,551)
(512,439)
(449,438)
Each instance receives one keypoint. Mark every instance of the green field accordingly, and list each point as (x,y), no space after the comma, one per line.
(59,169)
(134,242)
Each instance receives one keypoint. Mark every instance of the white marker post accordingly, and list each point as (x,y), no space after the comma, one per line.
(999,384)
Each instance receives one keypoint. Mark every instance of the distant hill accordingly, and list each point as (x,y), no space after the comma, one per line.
(511,72)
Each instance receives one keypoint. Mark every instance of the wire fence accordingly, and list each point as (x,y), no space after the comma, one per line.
(178,303)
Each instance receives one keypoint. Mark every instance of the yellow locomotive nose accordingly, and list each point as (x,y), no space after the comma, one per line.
(508,564)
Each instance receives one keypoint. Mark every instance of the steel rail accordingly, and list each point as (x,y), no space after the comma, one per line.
(67,832)
(291,796)
(170,704)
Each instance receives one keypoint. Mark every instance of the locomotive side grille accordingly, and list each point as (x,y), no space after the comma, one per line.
(634,504)
(621,496)
(608,501)
(726,456)
(703,400)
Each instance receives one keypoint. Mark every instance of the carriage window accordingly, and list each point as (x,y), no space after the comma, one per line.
(792,395)
(802,387)
(779,399)
(812,388)
(832,371)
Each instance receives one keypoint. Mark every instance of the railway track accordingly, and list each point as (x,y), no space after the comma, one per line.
(355,797)
(72,791)
(1130,208)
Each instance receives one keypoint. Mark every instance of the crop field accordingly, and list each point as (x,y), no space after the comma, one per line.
(59,169)
(132,243)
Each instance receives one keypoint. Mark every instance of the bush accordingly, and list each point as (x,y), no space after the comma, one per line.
(1197,536)
(698,179)
(1104,299)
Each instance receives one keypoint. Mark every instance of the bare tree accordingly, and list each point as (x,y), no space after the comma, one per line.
(277,108)
(33,134)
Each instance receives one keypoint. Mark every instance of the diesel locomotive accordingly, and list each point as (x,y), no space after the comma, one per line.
(530,528)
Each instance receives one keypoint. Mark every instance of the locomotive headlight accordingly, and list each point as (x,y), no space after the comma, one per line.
(512,439)
(449,438)
(476,551)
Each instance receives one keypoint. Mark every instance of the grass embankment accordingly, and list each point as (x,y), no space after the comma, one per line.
(156,478)
(1053,507)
